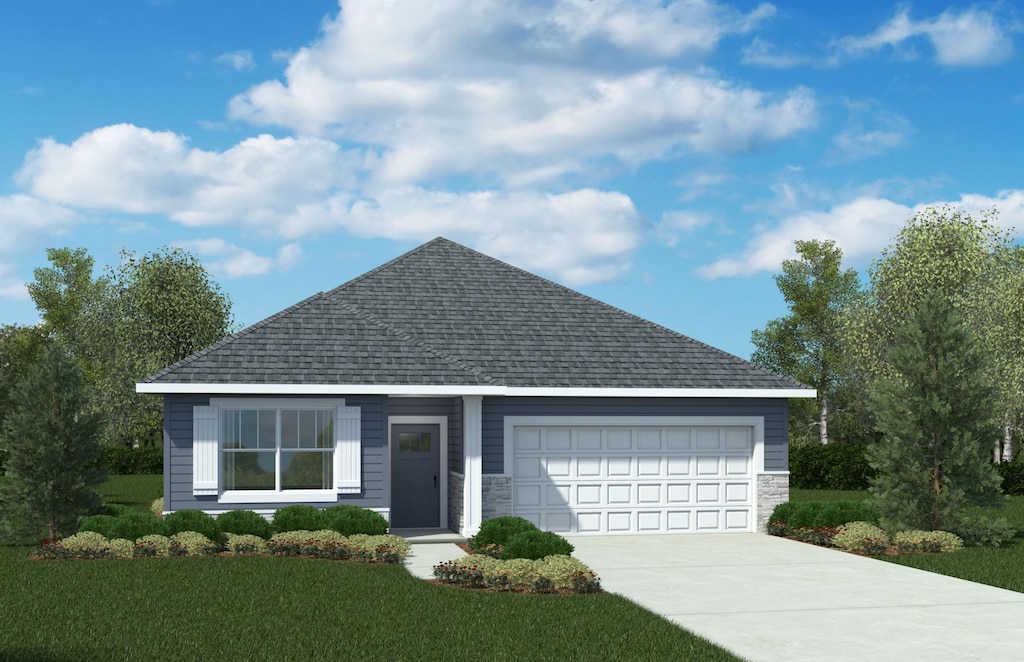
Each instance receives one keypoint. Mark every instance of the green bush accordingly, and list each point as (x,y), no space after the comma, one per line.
(861,537)
(244,522)
(536,545)
(126,460)
(350,520)
(157,507)
(152,546)
(192,520)
(101,524)
(297,518)
(116,509)
(121,548)
(540,576)
(386,548)
(85,545)
(829,467)
(926,541)
(499,531)
(981,531)
(133,526)
(1013,477)
(815,514)
(192,543)
(3,461)
(245,544)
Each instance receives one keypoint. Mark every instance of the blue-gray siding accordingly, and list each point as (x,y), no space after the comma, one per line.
(178,456)
(449,407)
(775,412)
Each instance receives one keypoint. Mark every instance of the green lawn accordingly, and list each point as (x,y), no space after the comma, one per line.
(294,609)
(998,566)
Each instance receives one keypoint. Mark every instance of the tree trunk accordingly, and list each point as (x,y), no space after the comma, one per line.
(1007,443)
(823,422)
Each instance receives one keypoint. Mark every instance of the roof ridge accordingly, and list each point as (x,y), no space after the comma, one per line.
(252,328)
(387,265)
(421,344)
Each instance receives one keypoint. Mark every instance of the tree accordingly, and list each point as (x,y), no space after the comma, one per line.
(973,266)
(52,449)
(805,344)
(20,347)
(164,306)
(938,413)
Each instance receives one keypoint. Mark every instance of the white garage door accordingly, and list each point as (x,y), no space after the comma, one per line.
(634,479)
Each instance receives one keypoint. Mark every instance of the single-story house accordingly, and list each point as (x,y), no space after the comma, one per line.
(446,387)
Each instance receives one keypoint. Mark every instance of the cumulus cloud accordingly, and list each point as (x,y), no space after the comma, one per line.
(973,37)
(237,60)
(871,131)
(26,222)
(232,261)
(128,169)
(527,91)
(861,227)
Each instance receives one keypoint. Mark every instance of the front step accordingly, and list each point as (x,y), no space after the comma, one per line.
(426,536)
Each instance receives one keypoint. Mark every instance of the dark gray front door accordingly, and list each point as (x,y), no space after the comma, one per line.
(415,476)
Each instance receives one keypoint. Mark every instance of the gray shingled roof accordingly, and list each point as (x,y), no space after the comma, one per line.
(443,314)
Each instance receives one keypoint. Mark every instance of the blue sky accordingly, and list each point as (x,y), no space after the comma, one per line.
(660,156)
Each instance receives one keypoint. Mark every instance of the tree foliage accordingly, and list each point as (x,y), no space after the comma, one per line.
(805,344)
(52,449)
(20,347)
(938,413)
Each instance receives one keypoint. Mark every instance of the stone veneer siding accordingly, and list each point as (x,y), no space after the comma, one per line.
(772,489)
(455,491)
(497,496)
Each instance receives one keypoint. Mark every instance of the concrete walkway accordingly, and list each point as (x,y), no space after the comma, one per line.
(766,598)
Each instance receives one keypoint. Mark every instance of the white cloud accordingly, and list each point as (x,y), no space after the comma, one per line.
(765,54)
(232,261)
(237,60)
(699,182)
(674,224)
(124,168)
(973,37)
(526,91)
(861,227)
(869,132)
(11,287)
(26,222)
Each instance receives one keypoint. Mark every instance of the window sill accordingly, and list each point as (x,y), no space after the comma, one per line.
(290,496)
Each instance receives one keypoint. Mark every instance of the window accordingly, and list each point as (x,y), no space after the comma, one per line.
(264,450)
(277,449)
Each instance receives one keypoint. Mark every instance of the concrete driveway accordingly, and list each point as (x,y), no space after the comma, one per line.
(767,598)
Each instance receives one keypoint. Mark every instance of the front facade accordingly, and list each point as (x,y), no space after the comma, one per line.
(445,388)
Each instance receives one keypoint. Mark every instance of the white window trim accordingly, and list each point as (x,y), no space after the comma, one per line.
(442,423)
(275,496)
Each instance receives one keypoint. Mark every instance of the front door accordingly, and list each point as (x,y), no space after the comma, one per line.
(415,476)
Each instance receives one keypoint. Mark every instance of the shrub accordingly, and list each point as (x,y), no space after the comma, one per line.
(133,526)
(539,576)
(127,460)
(385,548)
(85,545)
(191,543)
(245,544)
(298,518)
(560,569)
(157,507)
(244,522)
(116,509)
(101,524)
(151,546)
(926,541)
(1012,474)
(192,520)
(350,520)
(121,548)
(978,530)
(3,460)
(861,537)
(496,532)
(829,467)
(814,514)
(536,545)
(287,543)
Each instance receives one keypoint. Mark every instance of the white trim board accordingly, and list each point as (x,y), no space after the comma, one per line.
(442,422)
(444,390)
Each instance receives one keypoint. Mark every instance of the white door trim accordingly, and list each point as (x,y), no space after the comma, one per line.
(442,422)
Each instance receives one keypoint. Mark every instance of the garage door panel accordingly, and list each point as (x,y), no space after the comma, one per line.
(623,479)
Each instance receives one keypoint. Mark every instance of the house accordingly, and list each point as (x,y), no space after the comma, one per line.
(446,387)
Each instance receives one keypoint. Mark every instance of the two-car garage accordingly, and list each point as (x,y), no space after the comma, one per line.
(612,475)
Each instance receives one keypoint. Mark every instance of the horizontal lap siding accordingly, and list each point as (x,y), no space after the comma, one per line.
(449,407)
(178,454)
(774,411)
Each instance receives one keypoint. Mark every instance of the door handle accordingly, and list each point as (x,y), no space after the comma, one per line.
(435,482)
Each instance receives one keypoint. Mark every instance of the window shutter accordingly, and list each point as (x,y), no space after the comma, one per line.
(205,450)
(348,451)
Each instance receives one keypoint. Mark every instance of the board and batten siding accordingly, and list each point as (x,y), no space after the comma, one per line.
(178,455)
(451,408)
(774,410)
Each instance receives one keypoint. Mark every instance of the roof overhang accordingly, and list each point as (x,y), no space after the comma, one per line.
(448,390)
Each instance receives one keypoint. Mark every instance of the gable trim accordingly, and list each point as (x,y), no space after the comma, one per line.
(445,390)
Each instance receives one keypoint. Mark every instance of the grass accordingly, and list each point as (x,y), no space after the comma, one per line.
(997,566)
(290,609)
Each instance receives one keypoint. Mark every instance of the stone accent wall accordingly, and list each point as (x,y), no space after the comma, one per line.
(772,489)
(497,496)
(455,487)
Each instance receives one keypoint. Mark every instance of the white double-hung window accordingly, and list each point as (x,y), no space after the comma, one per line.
(264,450)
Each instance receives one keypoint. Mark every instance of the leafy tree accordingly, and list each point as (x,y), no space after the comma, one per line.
(805,344)
(938,413)
(20,347)
(973,266)
(53,449)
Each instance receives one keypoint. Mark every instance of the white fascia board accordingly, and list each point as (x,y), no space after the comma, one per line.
(445,390)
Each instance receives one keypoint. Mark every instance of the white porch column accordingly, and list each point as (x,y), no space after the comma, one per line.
(472,444)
